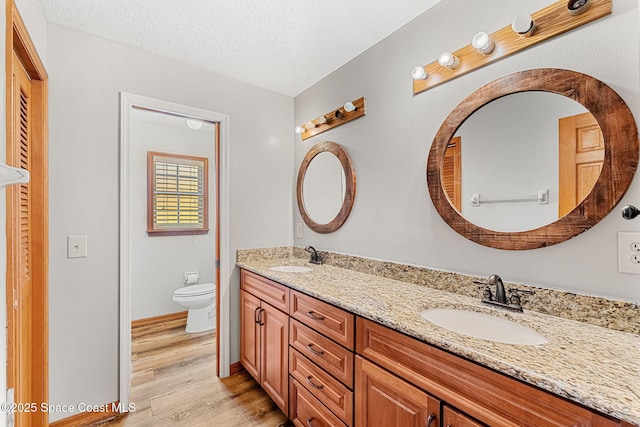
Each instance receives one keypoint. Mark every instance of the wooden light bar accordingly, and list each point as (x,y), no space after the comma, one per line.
(552,20)
(335,120)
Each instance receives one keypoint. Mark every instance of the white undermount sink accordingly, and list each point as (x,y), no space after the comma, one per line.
(484,326)
(291,269)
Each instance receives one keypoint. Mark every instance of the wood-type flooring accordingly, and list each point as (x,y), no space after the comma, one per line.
(174,384)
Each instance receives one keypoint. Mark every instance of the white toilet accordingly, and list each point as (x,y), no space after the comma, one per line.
(200,300)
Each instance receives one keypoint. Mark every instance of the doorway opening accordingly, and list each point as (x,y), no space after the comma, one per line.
(148,264)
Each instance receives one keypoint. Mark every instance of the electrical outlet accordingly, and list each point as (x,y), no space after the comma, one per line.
(629,252)
(298,230)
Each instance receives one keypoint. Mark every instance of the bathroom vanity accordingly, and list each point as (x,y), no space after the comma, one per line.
(360,354)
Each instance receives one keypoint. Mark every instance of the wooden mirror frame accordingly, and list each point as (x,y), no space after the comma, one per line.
(350,187)
(620,160)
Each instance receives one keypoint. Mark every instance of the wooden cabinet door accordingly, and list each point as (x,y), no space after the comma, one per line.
(250,334)
(275,354)
(384,400)
(453,418)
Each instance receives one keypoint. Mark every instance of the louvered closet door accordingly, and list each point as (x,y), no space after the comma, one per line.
(22,235)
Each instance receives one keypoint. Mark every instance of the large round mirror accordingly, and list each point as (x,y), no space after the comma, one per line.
(326,187)
(532,159)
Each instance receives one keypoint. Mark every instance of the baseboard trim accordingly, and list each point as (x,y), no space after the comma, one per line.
(99,414)
(180,316)
(235,368)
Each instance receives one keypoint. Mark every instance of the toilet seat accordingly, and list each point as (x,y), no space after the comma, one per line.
(195,290)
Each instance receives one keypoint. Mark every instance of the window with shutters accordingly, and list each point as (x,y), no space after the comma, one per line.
(177,201)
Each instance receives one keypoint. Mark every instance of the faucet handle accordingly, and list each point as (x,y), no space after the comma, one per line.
(487,295)
(515,300)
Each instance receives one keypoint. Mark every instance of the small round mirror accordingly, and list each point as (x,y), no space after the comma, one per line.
(326,187)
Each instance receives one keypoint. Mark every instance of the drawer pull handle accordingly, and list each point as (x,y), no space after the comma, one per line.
(312,350)
(255,315)
(431,419)
(314,316)
(319,387)
(309,422)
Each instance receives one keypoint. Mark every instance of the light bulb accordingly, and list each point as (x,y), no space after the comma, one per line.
(321,120)
(418,73)
(448,59)
(482,43)
(524,25)
(309,125)
(299,129)
(349,107)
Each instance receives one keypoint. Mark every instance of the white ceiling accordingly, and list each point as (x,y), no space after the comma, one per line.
(281,45)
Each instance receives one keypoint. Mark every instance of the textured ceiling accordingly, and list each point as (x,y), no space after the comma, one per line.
(281,45)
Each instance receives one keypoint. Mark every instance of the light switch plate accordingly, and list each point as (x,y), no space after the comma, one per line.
(629,252)
(76,246)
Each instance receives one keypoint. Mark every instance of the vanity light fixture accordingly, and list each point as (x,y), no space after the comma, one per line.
(418,73)
(514,37)
(348,111)
(449,60)
(523,25)
(482,43)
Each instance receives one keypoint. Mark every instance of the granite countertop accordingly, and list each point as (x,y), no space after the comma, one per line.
(595,366)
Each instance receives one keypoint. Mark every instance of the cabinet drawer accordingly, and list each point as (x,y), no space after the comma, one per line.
(267,290)
(333,358)
(332,393)
(486,395)
(330,321)
(307,411)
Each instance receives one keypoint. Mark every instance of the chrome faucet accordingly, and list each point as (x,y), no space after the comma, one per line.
(315,257)
(500,299)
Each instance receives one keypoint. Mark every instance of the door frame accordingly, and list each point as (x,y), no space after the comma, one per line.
(127,102)
(18,41)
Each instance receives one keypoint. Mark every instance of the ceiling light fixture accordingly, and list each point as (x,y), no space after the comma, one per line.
(194,124)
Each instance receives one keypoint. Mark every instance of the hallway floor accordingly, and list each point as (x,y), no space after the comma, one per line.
(174,384)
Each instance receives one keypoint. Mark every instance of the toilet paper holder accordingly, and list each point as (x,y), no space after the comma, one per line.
(191,277)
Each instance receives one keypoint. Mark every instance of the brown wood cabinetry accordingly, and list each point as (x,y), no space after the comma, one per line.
(306,364)
(384,400)
(264,337)
(485,395)
(453,418)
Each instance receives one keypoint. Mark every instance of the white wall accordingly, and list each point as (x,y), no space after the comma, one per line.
(393,217)
(86,75)
(158,263)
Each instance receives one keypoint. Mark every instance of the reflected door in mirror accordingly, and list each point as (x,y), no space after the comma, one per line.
(581,158)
